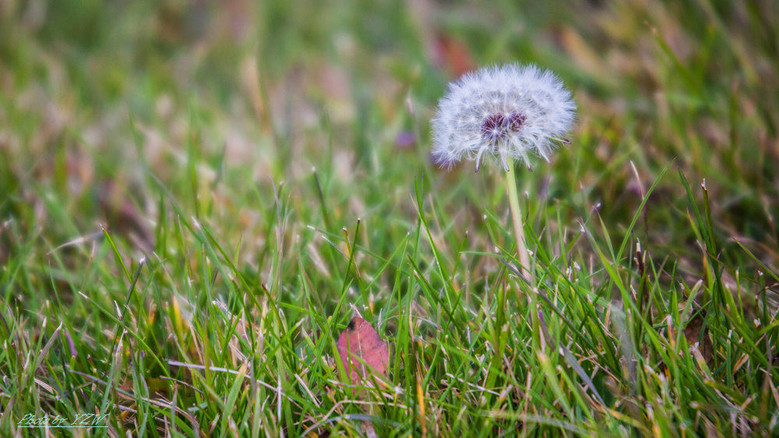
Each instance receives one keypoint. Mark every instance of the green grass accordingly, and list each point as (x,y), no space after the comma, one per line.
(170,260)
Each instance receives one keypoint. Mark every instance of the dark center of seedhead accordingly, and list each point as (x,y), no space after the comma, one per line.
(498,126)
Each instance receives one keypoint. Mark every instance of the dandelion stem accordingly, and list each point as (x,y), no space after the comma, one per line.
(516,217)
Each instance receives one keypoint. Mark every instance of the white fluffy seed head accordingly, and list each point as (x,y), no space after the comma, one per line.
(509,111)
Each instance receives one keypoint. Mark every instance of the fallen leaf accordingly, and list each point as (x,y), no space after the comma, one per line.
(453,55)
(359,345)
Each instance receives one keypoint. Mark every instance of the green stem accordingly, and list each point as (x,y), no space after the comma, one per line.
(516,216)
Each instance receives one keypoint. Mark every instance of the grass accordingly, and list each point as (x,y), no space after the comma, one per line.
(197,199)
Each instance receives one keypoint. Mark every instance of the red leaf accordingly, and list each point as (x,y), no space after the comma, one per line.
(453,55)
(359,345)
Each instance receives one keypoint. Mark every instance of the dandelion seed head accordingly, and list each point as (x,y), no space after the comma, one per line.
(509,111)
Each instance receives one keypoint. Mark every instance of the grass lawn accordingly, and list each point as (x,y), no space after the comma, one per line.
(196,198)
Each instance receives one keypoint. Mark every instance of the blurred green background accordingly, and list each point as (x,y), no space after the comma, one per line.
(280,87)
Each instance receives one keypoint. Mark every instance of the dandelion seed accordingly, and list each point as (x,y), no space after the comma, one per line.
(510,113)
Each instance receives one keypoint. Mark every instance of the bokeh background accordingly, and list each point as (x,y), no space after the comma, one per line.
(94,92)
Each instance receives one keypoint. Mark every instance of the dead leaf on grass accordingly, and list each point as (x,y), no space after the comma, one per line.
(359,345)
(453,55)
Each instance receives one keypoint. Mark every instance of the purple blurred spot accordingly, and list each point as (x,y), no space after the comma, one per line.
(405,140)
